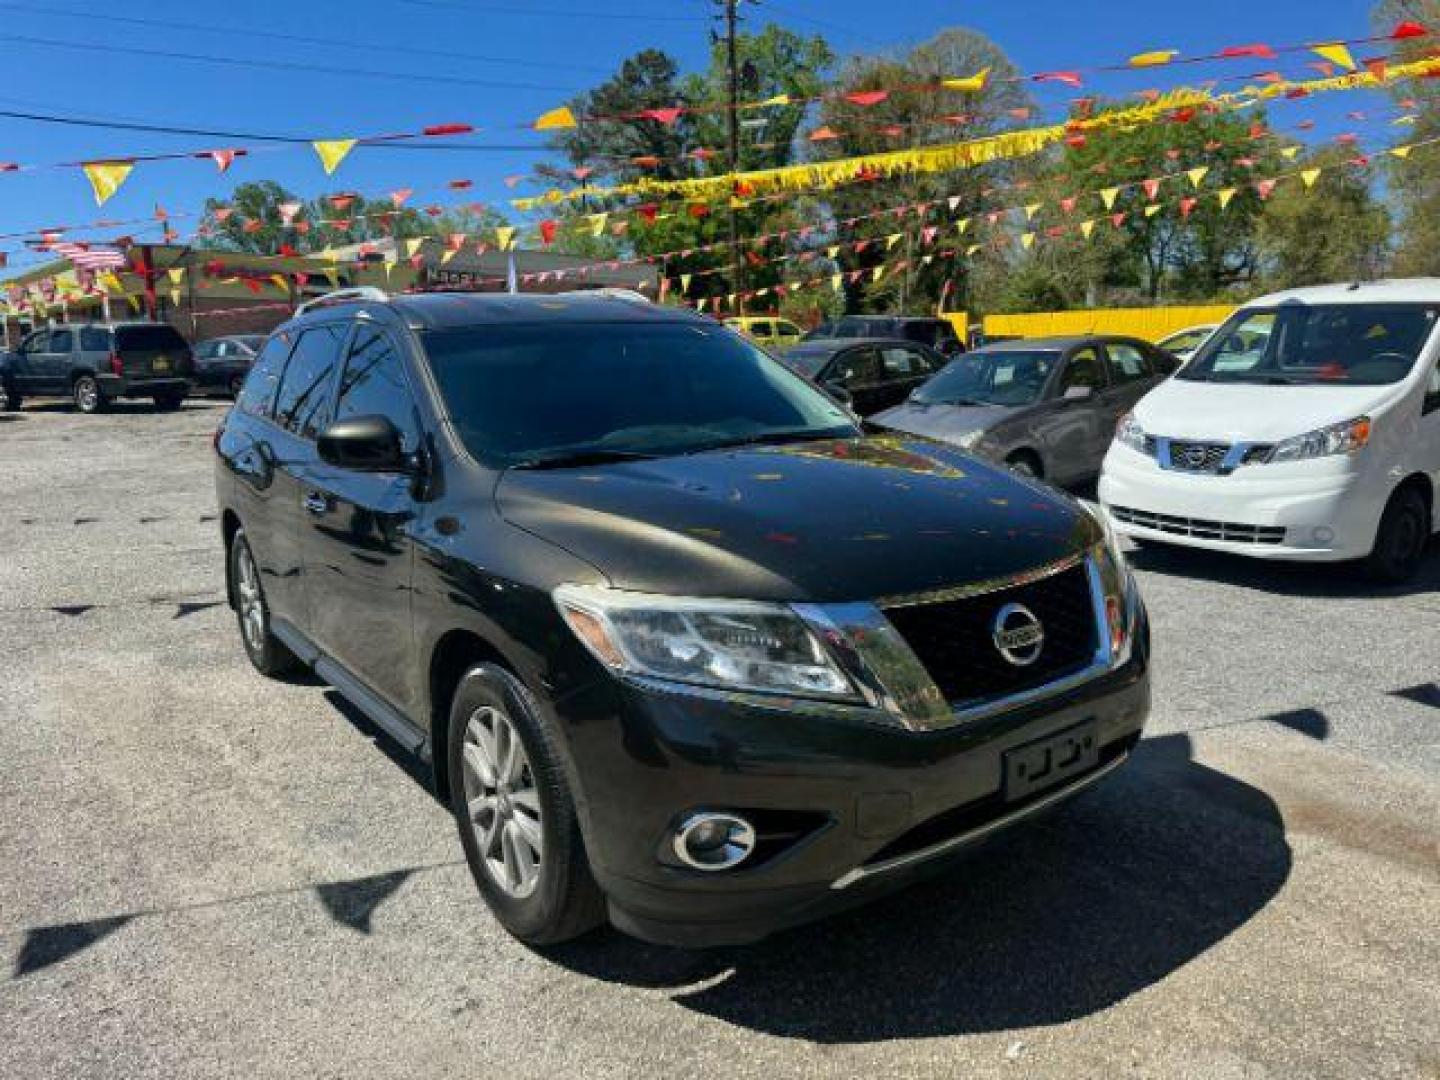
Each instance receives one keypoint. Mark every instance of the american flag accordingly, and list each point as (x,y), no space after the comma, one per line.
(85,257)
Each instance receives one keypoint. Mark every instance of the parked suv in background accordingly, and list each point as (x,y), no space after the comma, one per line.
(938,334)
(869,375)
(682,643)
(93,364)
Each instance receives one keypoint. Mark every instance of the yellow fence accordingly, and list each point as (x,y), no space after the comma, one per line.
(1150,324)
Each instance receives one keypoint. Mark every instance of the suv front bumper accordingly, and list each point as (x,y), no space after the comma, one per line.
(850,810)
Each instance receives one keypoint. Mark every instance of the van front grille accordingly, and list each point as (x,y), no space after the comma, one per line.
(1201,528)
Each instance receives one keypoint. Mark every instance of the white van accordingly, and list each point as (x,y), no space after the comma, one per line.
(1307,427)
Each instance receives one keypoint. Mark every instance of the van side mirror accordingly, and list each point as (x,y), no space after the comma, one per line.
(363,444)
(1079,393)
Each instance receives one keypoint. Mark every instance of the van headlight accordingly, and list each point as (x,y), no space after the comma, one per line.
(1128,432)
(1343,438)
(730,644)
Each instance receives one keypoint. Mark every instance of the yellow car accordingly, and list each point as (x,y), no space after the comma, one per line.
(767,330)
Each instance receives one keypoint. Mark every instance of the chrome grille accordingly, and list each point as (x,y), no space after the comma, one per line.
(1197,456)
(1201,528)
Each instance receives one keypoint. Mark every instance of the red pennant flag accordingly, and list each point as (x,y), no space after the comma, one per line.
(223,158)
(398,197)
(867,98)
(222,214)
(448,129)
(341,202)
(1408,30)
(252,227)
(1257,130)
(547,231)
(1262,52)
(1182,116)
(1323,66)
(252,285)
(581,173)
(434,211)
(1152,188)
(1186,205)
(1264,188)
(704,153)
(460,185)
(1069,78)
(1117,220)
(1305,125)
(1349,138)
(823,134)
(1076,141)
(663,116)
(417,261)
(1270,77)
(753,259)
(1376,67)
(698,210)
(302,227)
(455,241)
(893,131)
(1068,205)
(646,161)
(650,211)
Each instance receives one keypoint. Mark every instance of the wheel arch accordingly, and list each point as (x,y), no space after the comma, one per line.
(455,653)
(1419,481)
(229,526)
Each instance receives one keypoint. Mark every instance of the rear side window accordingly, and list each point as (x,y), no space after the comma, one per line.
(857,367)
(900,363)
(258,395)
(374,385)
(36,342)
(1127,363)
(61,341)
(302,405)
(160,338)
(94,339)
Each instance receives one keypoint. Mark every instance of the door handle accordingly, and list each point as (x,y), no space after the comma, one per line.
(316,503)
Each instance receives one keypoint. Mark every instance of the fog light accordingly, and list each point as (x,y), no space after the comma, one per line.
(1323,535)
(714,841)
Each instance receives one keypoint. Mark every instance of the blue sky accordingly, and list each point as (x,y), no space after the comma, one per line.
(568,48)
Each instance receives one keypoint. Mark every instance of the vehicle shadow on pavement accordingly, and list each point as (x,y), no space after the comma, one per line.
(138,407)
(1316,580)
(1056,921)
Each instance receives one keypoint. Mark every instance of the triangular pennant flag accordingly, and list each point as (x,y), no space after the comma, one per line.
(1309,176)
(1336,53)
(1108,197)
(892,240)
(1289,152)
(952,202)
(176,276)
(1086,228)
(504,234)
(1401,152)
(556,119)
(685,283)
(1225,195)
(1198,174)
(223,158)
(1154,58)
(972,249)
(1031,209)
(332,152)
(106,177)
(1027,240)
(867,98)
(1187,204)
(397,198)
(597,223)
(413,246)
(833,251)
(962,226)
(837,282)
(971,83)
(1264,188)
(288,210)
(1152,188)
(1068,204)
(877,273)
(1152,209)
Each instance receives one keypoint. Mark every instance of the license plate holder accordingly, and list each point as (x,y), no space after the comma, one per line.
(160,363)
(1049,761)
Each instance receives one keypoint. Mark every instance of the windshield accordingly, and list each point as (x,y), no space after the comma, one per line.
(1003,377)
(1321,344)
(535,394)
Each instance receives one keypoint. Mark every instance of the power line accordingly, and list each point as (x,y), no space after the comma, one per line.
(501,9)
(282,65)
(299,39)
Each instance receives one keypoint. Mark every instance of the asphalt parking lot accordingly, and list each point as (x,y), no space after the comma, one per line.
(203,873)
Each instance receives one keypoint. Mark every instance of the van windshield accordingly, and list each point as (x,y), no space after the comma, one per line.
(1316,345)
(557,394)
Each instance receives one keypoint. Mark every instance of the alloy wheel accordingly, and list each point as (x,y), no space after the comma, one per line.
(251,599)
(502,803)
(87,395)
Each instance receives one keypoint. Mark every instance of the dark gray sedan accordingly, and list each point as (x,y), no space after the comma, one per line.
(222,363)
(1044,406)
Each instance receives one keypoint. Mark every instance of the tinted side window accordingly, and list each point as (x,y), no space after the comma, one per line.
(1082,369)
(94,339)
(61,341)
(900,363)
(36,342)
(258,395)
(857,367)
(1127,363)
(302,405)
(374,385)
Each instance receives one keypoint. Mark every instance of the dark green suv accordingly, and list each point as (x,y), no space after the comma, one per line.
(95,363)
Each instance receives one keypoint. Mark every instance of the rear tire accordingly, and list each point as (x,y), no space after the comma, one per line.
(88,398)
(169,402)
(517,824)
(1400,540)
(1026,464)
(10,401)
(266,652)
(233,389)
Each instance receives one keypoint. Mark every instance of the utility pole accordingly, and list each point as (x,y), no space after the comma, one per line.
(732,149)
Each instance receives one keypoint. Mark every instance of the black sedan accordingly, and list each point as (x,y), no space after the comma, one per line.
(222,363)
(869,374)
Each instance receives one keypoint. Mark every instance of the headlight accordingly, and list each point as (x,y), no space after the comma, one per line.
(1117,584)
(731,644)
(1129,433)
(1343,438)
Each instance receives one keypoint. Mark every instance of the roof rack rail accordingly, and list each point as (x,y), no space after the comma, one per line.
(343,296)
(610,292)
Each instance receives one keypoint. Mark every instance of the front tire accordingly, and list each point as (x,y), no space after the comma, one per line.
(267,653)
(88,398)
(1400,540)
(515,812)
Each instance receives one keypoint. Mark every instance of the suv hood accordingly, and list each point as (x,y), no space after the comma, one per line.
(1221,412)
(827,521)
(942,421)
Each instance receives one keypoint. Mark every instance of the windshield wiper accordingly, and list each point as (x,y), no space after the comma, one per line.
(581,456)
(772,438)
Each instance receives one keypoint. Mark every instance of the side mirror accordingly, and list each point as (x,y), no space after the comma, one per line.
(1079,393)
(363,444)
(838,391)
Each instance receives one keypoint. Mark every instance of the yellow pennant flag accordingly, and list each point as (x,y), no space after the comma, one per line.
(972,83)
(1108,196)
(837,281)
(961,226)
(1027,240)
(927,259)
(892,240)
(1310,176)
(1153,209)
(598,223)
(504,236)
(278,280)
(877,273)
(1086,228)
(556,119)
(111,282)
(778,99)
(174,297)
(1198,174)
(685,283)
(1336,53)
(413,246)
(1402,152)
(1153,59)
(333,276)
(1031,210)
(972,249)
(176,276)
(332,152)
(1289,152)
(833,251)
(1225,195)
(446,256)
(106,177)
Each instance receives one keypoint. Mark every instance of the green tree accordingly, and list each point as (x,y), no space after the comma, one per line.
(260,202)
(1333,231)
(1415,181)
